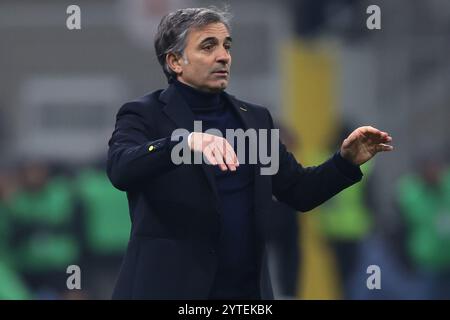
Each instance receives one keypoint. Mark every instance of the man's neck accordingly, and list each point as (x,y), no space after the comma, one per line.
(201,89)
(197,98)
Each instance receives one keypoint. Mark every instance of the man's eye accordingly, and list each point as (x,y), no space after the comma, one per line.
(208,47)
(227,47)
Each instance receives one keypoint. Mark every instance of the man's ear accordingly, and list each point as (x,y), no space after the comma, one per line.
(173,61)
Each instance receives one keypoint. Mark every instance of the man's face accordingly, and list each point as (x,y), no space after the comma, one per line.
(206,62)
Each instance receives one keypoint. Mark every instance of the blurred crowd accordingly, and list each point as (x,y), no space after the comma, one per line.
(52,217)
(413,257)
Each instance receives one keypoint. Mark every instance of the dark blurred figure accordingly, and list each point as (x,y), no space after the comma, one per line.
(315,17)
(424,200)
(105,226)
(282,234)
(44,240)
(346,221)
(12,285)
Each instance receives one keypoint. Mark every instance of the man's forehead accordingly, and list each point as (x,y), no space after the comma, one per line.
(213,30)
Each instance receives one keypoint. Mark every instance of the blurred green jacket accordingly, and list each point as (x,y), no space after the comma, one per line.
(346,216)
(43,219)
(426,212)
(106,221)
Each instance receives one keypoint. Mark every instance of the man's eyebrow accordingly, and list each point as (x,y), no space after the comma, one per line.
(209,39)
(214,39)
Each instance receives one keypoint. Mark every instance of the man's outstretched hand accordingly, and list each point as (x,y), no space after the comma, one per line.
(364,143)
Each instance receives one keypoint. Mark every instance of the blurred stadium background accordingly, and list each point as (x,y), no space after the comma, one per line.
(313,63)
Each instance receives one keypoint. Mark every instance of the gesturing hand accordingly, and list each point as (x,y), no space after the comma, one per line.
(364,143)
(216,150)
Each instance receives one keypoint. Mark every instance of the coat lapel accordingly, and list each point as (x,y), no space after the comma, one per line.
(177,109)
(242,111)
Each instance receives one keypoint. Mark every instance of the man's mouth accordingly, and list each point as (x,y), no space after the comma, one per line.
(221,72)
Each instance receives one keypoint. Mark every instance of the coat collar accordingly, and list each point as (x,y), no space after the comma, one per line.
(178,110)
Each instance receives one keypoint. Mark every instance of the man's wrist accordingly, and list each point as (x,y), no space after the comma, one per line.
(349,169)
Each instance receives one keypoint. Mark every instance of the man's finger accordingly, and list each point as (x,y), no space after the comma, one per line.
(385,138)
(372,133)
(229,156)
(230,152)
(376,132)
(209,156)
(377,137)
(384,147)
(219,157)
(369,129)
(235,157)
(229,161)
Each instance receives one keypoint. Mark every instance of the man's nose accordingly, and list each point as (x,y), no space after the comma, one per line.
(223,56)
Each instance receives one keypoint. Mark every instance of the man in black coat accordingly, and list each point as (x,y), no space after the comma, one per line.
(197,225)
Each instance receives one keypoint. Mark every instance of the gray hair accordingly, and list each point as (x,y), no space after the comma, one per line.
(174,27)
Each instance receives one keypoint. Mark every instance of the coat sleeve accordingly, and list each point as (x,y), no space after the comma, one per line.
(133,156)
(305,188)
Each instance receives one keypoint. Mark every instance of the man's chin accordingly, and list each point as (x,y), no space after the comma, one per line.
(220,86)
(213,86)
